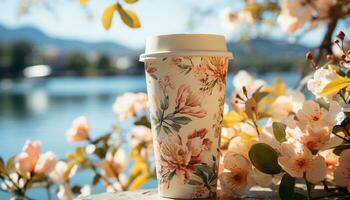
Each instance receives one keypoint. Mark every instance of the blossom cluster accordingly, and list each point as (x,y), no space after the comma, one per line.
(276,136)
(291,15)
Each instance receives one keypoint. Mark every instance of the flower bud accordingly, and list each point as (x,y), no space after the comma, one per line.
(329,57)
(309,56)
(341,35)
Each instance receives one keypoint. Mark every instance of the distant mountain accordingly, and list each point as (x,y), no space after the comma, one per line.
(37,37)
(267,48)
(266,55)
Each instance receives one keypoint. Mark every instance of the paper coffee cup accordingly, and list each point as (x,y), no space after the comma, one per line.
(186,79)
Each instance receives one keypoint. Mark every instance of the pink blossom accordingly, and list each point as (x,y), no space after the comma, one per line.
(332,160)
(130,104)
(29,156)
(312,138)
(342,172)
(46,163)
(297,160)
(79,130)
(294,15)
(188,103)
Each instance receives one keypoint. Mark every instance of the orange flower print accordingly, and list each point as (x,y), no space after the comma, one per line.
(188,103)
(180,158)
(211,72)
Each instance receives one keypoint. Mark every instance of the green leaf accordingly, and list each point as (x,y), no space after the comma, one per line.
(335,86)
(128,17)
(96,179)
(171,175)
(205,168)
(158,127)
(279,130)
(176,127)
(182,120)
(337,150)
(10,164)
(286,188)
(130,1)
(201,174)
(194,182)
(299,196)
(170,116)
(309,187)
(264,158)
(167,130)
(143,121)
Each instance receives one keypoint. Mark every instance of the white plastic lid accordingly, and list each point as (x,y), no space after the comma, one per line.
(161,46)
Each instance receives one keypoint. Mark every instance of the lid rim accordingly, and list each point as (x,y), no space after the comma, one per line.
(162,54)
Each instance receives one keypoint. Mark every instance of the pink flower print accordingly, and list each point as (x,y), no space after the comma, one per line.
(188,103)
(175,157)
(200,191)
(165,84)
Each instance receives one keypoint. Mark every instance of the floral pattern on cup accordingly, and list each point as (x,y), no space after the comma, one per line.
(186,97)
(183,157)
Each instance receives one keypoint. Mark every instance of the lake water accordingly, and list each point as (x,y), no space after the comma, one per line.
(44,110)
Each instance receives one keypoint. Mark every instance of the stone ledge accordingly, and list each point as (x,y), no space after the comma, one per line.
(152,194)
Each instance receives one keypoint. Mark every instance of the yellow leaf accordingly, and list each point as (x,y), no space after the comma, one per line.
(335,86)
(130,1)
(128,17)
(107,16)
(83,2)
(80,154)
(277,89)
(140,180)
(138,168)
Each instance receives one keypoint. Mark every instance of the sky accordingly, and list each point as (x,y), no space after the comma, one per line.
(70,20)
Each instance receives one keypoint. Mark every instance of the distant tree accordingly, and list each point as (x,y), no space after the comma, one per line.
(78,63)
(20,57)
(104,65)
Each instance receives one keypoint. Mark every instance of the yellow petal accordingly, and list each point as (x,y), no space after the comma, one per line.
(107,16)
